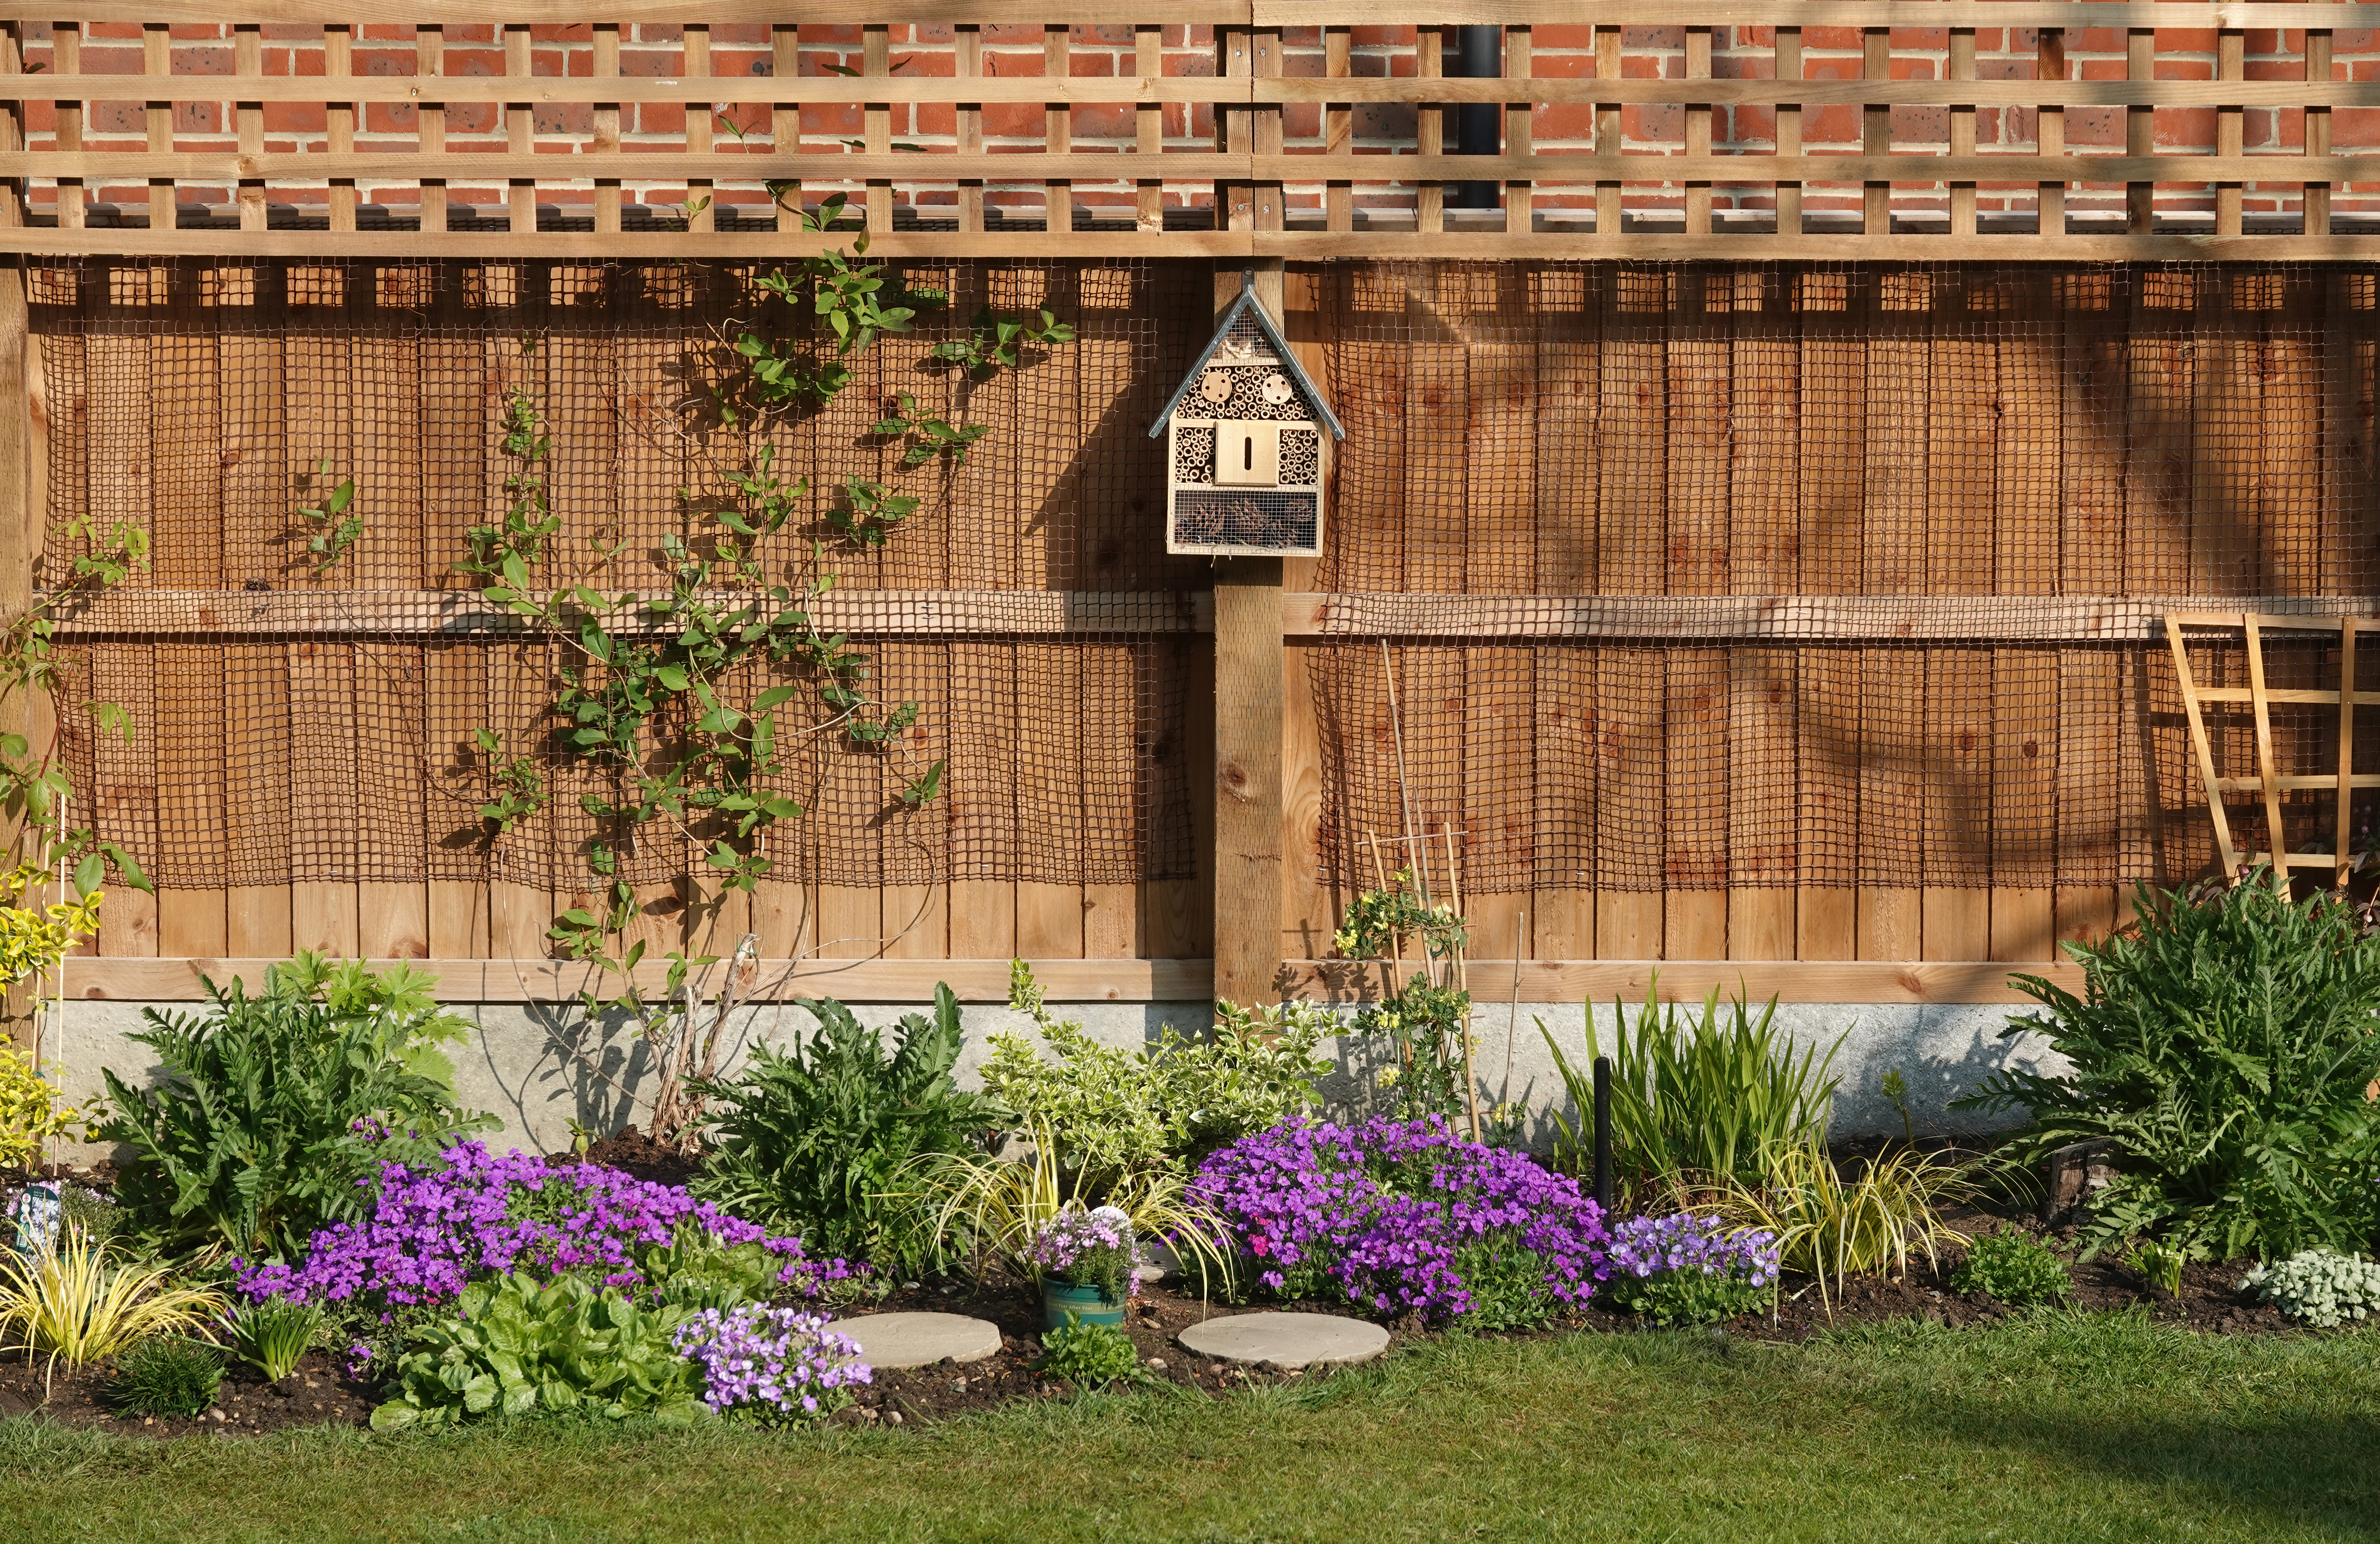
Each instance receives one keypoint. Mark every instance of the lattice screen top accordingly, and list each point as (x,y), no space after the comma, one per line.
(1686,128)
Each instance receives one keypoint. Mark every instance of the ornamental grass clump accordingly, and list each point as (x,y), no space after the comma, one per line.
(777,1366)
(432,1231)
(1402,1216)
(165,1375)
(1095,1248)
(1688,1269)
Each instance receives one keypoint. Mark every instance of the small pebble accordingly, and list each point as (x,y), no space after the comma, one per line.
(1158,1363)
(893,1418)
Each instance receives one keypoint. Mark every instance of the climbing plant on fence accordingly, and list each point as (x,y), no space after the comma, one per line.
(699,700)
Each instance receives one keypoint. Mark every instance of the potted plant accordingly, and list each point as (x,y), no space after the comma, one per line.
(1086,1261)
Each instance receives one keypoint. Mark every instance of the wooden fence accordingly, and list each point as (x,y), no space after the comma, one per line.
(1264,134)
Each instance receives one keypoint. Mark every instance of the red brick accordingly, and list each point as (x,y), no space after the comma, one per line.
(295,118)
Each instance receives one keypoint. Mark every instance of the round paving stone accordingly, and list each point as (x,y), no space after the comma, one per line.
(897,1340)
(1286,1340)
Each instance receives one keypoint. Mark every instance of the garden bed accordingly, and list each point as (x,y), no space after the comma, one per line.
(318,1393)
(321,1394)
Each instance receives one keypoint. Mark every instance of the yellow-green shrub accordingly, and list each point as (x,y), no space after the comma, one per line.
(30,1110)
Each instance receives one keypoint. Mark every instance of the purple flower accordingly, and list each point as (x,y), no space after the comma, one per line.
(479,1214)
(770,1362)
(1399,1216)
(1646,1247)
(1090,1249)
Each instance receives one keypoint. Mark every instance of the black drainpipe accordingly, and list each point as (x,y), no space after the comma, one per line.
(1479,55)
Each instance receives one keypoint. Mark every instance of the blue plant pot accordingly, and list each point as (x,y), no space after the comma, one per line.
(1088,1303)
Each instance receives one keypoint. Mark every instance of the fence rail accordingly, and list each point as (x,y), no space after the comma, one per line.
(1257,129)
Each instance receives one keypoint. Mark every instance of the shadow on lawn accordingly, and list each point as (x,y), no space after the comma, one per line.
(2307,1469)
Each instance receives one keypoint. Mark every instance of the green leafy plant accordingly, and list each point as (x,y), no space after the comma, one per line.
(518,1349)
(1426,1021)
(1695,1104)
(335,531)
(518,788)
(81,1302)
(692,703)
(272,1109)
(2321,1287)
(89,1214)
(2225,1048)
(1895,1089)
(2157,1263)
(928,435)
(810,1139)
(1090,1355)
(696,1271)
(1831,1230)
(871,510)
(1685,1297)
(166,1375)
(995,340)
(2010,1266)
(270,1336)
(1159,1109)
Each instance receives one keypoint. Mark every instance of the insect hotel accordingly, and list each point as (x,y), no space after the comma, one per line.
(1245,448)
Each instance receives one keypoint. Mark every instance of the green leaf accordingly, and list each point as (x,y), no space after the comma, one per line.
(89,873)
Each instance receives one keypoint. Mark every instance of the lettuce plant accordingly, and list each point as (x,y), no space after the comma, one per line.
(2010,1267)
(518,1348)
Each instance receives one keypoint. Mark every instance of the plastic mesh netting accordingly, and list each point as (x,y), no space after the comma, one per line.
(304,716)
(1713,577)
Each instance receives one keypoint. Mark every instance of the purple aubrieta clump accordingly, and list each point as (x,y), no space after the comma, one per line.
(1646,1247)
(1402,1215)
(433,1229)
(1088,1248)
(775,1363)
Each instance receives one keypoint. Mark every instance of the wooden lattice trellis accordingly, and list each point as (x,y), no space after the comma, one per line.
(2268,781)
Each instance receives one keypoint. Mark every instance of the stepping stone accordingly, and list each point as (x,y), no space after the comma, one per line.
(898,1340)
(1286,1341)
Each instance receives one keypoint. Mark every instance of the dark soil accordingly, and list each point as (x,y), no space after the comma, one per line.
(318,1393)
(949,1388)
(2210,1294)
(642,1156)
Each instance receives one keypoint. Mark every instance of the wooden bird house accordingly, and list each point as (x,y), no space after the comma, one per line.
(1247,442)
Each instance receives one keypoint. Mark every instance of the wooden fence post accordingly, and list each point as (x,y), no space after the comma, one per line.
(1249,657)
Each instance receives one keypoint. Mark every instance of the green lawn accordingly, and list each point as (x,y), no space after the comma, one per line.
(2063,1429)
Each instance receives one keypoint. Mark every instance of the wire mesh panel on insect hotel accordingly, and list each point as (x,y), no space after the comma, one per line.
(1248,438)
